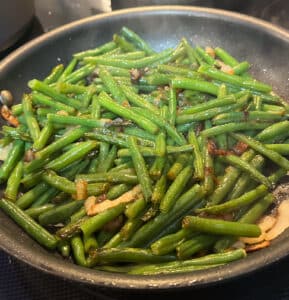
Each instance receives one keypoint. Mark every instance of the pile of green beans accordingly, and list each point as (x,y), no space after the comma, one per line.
(195,139)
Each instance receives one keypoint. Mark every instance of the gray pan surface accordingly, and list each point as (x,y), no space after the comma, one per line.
(263,45)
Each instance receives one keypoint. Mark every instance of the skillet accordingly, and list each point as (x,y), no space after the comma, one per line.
(265,46)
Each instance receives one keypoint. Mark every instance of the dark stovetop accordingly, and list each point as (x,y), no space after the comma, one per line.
(19,281)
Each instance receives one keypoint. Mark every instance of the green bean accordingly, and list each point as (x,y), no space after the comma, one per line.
(226,57)
(92,224)
(105,255)
(245,181)
(129,228)
(18,133)
(30,119)
(216,226)
(111,85)
(233,204)
(180,71)
(176,136)
(44,135)
(95,108)
(89,243)
(228,181)
(97,51)
(177,166)
(149,151)
(108,162)
(73,120)
(78,215)
(68,69)
(175,189)
(168,243)
(59,182)
(14,155)
(79,74)
(234,79)
(137,99)
(104,236)
(198,159)
(241,68)
(144,135)
(69,137)
(34,212)
(64,248)
(257,116)
(13,182)
(123,43)
(45,197)
(172,106)
(54,74)
(181,266)
(120,139)
(226,100)
(68,88)
(195,85)
(17,109)
(29,197)
(71,229)
(205,56)
(209,171)
(133,55)
(136,40)
(257,146)
(251,216)
(149,231)
(279,148)
(140,167)
(135,208)
(246,167)
(59,213)
(194,245)
(163,56)
(114,177)
(38,98)
(232,127)
(159,162)
(109,104)
(72,155)
(39,86)
(78,251)
(117,190)
(33,229)
(159,189)
(113,242)
(274,130)
(222,92)
(157,167)
(212,112)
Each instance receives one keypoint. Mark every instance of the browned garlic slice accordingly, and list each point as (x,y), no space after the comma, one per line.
(265,224)
(282,221)
(93,208)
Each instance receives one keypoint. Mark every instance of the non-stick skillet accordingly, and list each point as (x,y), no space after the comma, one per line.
(265,46)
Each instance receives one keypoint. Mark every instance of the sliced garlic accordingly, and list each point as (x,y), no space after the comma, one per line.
(93,208)
(282,221)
